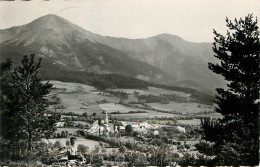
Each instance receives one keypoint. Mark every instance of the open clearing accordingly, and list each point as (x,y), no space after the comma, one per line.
(72,87)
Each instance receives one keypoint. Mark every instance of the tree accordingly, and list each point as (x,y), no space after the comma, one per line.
(85,114)
(24,114)
(5,68)
(63,135)
(128,129)
(235,136)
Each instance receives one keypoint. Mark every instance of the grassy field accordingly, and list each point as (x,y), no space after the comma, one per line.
(182,107)
(79,98)
(152,91)
(72,87)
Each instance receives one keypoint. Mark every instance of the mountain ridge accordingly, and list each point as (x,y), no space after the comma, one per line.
(163,58)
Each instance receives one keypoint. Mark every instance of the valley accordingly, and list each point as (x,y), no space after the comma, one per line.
(82,107)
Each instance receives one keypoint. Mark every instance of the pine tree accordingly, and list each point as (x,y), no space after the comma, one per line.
(5,68)
(234,138)
(24,114)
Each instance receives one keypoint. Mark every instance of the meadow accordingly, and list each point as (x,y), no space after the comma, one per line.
(79,98)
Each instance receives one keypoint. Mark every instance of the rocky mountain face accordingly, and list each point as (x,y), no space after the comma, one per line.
(164,59)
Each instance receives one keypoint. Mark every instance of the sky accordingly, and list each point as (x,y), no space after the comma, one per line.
(192,20)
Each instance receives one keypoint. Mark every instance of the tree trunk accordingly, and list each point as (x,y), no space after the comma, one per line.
(29,142)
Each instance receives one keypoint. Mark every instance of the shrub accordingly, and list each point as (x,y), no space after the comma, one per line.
(83,149)
(187,146)
(58,135)
(57,144)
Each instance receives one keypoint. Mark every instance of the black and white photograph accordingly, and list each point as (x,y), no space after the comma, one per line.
(129,83)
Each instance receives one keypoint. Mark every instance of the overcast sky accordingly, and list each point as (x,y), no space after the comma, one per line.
(192,20)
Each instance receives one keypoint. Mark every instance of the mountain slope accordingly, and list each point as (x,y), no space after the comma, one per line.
(70,47)
(186,61)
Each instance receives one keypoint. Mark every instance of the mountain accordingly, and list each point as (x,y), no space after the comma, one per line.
(186,61)
(164,59)
(70,47)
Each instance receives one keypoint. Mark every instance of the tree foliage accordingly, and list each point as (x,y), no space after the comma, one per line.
(25,117)
(235,136)
(129,128)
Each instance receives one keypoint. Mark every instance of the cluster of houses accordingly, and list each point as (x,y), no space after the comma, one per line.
(106,126)
(140,127)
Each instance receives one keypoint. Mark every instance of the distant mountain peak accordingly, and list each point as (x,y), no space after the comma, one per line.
(168,36)
(49,21)
(50,16)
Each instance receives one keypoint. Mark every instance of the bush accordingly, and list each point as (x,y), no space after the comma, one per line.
(129,129)
(180,147)
(83,149)
(122,149)
(81,132)
(58,135)
(63,135)
(182,137)
(57,144)
(187,146)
